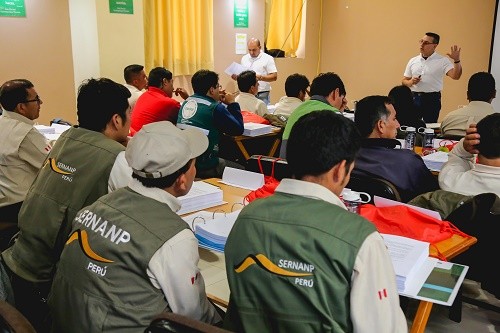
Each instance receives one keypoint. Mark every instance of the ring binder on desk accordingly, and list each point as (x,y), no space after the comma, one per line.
(212,228)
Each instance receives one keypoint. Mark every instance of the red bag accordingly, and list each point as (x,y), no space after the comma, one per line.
(250,117)
(270,184)
(404,221)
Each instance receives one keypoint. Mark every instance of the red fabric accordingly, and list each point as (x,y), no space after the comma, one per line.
(270,184)
(250,117)
(404,221)
(152,106)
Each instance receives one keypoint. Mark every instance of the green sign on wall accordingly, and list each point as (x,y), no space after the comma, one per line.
(121,6)
(241,13)
(12,8)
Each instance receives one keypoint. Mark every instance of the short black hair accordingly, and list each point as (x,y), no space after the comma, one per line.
(481,87)
(203,80)
(369,111)
(325,83)
(402,100)
(434,36)
(14,92)
(156,76)
(319,140)
(246,80)
(166,181)
(489,130)
(131,71)
(295,84)
(98,100)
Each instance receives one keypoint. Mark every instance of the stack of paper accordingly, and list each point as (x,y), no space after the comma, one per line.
(407,255)
(435,161)
(212,229)
(254,129)
(202,195)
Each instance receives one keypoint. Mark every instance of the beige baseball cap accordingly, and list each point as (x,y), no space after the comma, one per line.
(159,149)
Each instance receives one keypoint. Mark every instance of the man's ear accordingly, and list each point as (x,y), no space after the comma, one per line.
(180,183)
(339,172)
(380,127)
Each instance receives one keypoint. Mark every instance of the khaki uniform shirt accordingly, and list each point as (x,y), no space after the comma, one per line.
(456,122)
(22,151)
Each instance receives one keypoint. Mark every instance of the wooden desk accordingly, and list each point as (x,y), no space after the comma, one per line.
(213,263)
(240,141)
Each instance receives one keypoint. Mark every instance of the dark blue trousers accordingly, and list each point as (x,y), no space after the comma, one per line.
(428,105)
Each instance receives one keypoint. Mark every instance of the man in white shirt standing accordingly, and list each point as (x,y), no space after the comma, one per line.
(424,75)
(136,82)
(23,148)
(263,65)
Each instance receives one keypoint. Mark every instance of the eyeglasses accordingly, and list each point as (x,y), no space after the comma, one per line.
(36,99)
(424,42)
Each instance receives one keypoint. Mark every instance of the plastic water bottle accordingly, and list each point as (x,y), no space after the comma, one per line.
(428,142)
(410,137)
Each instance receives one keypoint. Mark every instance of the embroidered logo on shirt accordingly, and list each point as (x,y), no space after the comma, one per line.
(64,170)
(189,109)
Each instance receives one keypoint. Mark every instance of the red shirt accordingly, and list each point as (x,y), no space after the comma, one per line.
(153,105)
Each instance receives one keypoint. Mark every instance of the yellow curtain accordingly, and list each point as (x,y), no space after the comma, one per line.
(284,25)
(178,35)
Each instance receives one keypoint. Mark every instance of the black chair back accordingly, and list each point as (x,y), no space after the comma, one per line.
(373,186)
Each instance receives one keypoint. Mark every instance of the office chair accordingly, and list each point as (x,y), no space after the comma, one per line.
(13,321)
(373,186)
(168,322)
(280,166)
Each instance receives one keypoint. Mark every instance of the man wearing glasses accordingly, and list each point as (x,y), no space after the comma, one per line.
(23,148)
(424,75)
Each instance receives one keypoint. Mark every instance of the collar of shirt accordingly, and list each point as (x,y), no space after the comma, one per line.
(208,98)
(320,98)
(380,142)
(131,88)
(433,55)
(257,57)
(309,190)
(157,90)
(17,116)
(156,194)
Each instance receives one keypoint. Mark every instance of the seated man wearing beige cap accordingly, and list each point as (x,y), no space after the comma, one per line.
(129,255)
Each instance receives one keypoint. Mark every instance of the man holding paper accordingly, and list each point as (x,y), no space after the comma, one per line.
(263,65)
(298,261)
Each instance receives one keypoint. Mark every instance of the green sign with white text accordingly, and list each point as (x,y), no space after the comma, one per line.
(121,6)
(13,8)
(241,13)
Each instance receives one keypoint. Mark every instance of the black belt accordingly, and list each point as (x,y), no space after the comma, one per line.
(426,93)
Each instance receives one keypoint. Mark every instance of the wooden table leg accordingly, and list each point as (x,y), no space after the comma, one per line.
(242,149)
(421,317)
(274,147)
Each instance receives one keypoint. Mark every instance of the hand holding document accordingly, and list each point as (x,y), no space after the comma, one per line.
(235,68)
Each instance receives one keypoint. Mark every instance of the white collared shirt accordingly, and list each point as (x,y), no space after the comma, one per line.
(431,70)
(263,64)
(135,95)
(462,175)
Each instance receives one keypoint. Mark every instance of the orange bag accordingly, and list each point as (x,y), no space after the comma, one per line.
(250,117)
(405,221)
(270,184)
